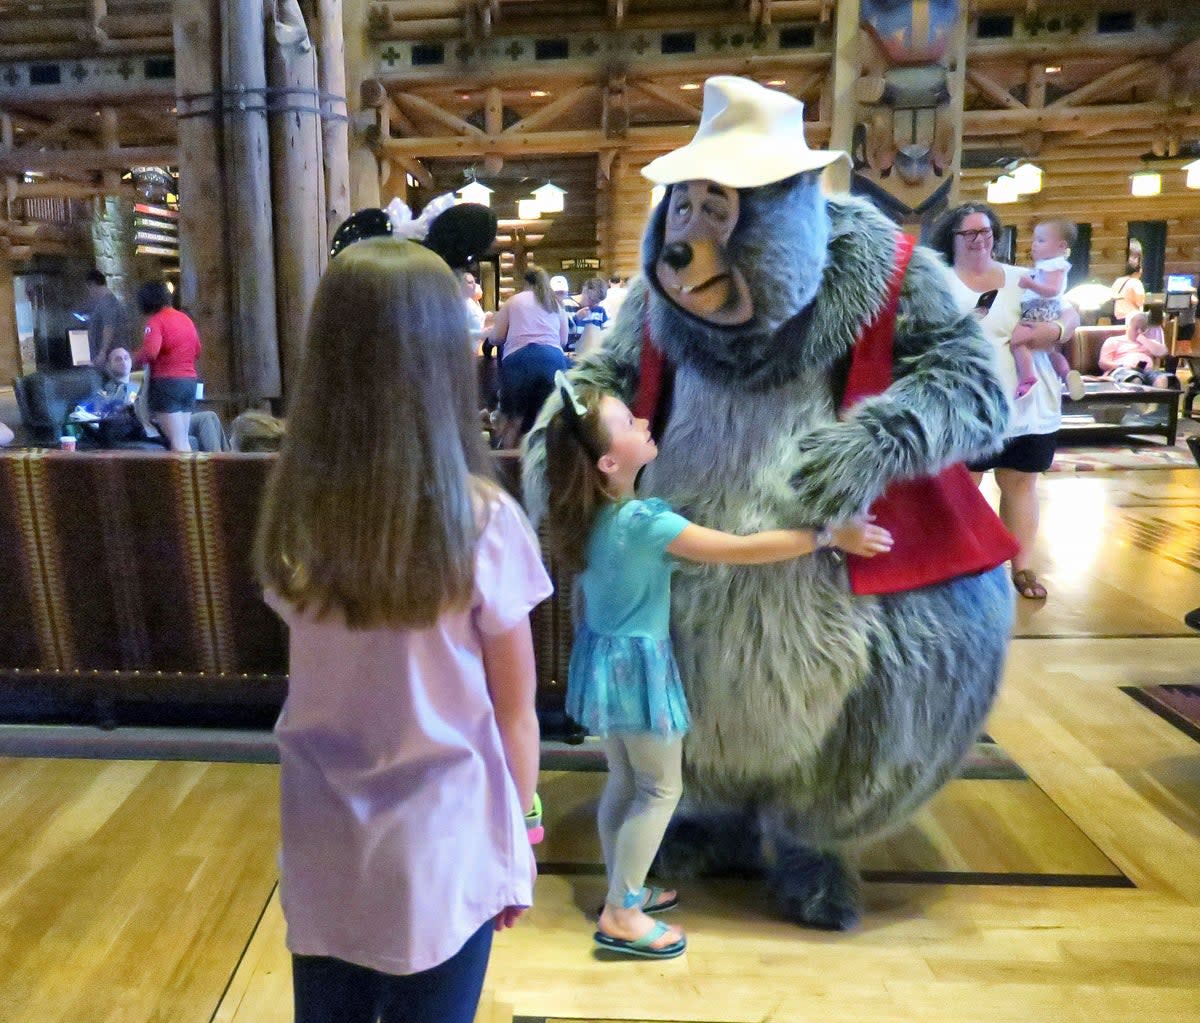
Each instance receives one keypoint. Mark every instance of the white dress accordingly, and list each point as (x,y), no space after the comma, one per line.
(1040,410)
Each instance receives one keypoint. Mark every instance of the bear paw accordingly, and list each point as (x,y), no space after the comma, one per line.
(816,889)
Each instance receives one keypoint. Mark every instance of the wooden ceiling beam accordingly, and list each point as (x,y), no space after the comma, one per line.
(554,143)
(993,90)
(420,105)
(668,98)
(1114,116)
(17,160)
(528,76)
(553,110)
(1106,84)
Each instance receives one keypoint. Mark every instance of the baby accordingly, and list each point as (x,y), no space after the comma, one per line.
(1041,301)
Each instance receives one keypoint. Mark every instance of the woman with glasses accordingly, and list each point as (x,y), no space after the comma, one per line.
(966,236)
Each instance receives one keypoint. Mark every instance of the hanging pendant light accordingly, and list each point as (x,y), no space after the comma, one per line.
(1002,190)
(1145,183)
(1028,177)
(475,192)
(1193,174)
(549,198)
(528,209)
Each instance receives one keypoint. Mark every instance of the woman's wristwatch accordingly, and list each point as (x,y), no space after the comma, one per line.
(823,538)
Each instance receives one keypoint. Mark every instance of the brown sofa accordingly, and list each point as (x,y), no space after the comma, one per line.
(1083,351)
(126,593)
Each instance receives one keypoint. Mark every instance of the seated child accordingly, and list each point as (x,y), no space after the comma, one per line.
(1129,357)
(1041,301)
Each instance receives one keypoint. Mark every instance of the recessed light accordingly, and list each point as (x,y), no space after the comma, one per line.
(464,95)
(538,93)
(689,86)
(1053,69)
(777,82)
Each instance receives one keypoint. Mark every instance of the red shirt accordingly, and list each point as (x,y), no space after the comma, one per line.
(170,345)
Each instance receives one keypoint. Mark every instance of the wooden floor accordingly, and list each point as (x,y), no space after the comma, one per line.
(146,891)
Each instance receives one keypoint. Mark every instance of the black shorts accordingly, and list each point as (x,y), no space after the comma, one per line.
(172,394)
(1031,452)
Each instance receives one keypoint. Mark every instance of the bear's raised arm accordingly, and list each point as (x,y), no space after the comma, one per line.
(612,368)
(945,405)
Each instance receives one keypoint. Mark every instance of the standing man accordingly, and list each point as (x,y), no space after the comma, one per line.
(108,322)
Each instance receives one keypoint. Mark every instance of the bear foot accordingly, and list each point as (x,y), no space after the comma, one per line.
(816,889)
(710,844)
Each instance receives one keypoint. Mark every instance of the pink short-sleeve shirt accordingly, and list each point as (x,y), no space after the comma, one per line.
(402,830)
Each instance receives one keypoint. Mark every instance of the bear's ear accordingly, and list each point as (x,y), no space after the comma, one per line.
(462,234)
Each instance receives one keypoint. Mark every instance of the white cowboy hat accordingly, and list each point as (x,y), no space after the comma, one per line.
(749,135)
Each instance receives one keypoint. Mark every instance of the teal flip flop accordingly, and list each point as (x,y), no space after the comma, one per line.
(654,903)
(643,946)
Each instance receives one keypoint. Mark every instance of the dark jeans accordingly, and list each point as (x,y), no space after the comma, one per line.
(526,380)
(332,991)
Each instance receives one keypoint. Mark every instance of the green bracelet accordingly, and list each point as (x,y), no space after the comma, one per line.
(534,817)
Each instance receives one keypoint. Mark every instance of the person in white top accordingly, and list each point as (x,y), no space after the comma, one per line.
(1042,301)
(992,291)
(1128,291)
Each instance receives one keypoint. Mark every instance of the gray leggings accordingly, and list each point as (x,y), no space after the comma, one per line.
(645,781)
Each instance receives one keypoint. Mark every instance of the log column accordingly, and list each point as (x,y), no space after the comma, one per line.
(203,231)
(843,108)
(364,167)
(248,201)
(10,347)
(298,188)
(335,135)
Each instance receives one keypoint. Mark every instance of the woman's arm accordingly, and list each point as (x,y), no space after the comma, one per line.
(152,340)
(512,684)
(711,546)
(499,329)
(1042,336)
(1151,342)
(563,332)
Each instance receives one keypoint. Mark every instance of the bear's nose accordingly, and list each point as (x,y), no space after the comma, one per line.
(677,255)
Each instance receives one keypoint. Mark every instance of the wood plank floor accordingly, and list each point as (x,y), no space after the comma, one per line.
(144,891)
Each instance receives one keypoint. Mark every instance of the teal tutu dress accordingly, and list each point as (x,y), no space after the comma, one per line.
(623,676)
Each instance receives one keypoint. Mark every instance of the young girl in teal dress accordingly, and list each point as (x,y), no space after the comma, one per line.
(623,684)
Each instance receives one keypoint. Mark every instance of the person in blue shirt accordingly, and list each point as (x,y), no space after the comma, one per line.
(623,683)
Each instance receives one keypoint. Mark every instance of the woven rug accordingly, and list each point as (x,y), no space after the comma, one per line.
(1178,704)
(1097,459)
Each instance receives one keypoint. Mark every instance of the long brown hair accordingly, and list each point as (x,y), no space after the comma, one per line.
(371,509)
(576,484)
(539,283)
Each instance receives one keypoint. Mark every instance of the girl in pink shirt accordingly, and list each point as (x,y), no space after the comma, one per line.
(1130,356)
(408,743)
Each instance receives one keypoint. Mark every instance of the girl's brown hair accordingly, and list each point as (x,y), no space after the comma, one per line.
(371,511)
(576,486)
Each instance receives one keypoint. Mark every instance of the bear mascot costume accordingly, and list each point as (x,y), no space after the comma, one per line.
(800,363)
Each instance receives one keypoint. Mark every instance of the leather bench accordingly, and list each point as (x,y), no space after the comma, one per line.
(127,593)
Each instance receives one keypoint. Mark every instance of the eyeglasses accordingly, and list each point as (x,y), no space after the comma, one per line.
(974,236)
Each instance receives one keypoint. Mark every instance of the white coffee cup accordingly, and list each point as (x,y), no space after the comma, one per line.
(66,443)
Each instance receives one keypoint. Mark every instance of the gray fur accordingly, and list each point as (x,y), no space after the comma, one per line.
(834,716)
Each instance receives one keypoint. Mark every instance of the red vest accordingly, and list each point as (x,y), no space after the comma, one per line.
(941,526)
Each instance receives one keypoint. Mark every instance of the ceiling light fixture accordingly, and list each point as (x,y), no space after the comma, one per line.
(476,192)
(1002,190)
(528,209)
(549,198)
(1028,177)
(690,86)
(1193,174)
(1145,183)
